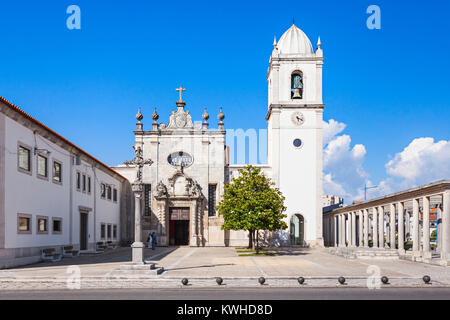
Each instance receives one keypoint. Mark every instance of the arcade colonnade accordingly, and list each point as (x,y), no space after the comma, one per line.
(395,221)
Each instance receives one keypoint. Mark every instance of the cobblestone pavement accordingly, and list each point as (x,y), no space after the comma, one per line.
(202,265)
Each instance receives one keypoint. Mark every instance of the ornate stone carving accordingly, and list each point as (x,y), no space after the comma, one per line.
(161,190)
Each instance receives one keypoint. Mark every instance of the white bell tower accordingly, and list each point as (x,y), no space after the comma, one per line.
(295,126)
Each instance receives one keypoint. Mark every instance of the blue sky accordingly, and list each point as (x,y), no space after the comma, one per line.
(388,86)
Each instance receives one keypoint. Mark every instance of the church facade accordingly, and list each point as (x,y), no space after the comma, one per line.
(190,163)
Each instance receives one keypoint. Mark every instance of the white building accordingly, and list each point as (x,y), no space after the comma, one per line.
(52,193)
(179,201)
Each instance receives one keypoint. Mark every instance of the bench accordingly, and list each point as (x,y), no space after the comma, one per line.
(101,246)
(50,254)
(111,244)
(69,252)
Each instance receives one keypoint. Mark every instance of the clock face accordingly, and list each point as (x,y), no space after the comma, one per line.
(298,118)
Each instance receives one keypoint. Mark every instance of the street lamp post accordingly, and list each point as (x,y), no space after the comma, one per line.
(365,190)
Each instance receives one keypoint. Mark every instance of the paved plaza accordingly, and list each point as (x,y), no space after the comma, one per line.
(202,265)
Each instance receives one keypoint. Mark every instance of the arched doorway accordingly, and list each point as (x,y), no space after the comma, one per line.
(297,230)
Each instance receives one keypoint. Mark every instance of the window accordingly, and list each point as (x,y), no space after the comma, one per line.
(109,192)
(24,159)
(24,223)
(57,172)
(109,231)
(115,195)
(57,225)
(42,225)
(42,167)
(147,200)
(102,231)
(84,183)
(89,185)
(115,231)
(297,85)
(103,190)
(78,181)
(212,200)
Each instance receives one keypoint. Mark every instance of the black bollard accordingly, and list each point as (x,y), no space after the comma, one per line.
(261,280)
(219,280)
(385,280)
(341,280)
(301,280)
(184,281)
(426,279)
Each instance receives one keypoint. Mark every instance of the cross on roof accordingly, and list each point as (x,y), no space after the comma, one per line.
(180,90)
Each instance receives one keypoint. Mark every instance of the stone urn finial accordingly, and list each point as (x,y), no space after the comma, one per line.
(205,116)
(139,115)
(155,116)
(221,116)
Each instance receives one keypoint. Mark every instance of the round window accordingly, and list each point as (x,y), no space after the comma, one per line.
(298,143)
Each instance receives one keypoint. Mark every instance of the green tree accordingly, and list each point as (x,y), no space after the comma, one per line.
(252,203)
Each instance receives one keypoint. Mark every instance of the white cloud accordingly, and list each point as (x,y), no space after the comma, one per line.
(331,129)
(421,162)
(344,174)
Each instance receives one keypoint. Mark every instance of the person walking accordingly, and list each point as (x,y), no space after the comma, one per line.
(149,241)
(154,242)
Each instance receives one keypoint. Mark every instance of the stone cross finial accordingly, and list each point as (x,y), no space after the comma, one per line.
(139,162)
(180,90)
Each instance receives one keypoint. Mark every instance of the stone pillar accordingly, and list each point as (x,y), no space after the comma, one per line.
(426,228)
(445,253)
(392,226)
(138,245)
(194,226)
(375,227)
(342,230)
(335,231)
(380,227)
(401,228)
(439,228)
(366,228)
(415,227)
(353,242)
(407,225)
(350,225)
(360,228)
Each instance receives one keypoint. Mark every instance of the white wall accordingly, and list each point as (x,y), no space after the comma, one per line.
(28,194)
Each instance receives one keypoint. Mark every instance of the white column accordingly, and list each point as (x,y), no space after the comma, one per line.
(381,227)
(445,253)
(353,242)
(392,226)
(341,230)
(335,232)
(375,227)
(137,248)
(360,228)
(366,228)
(401,226)
(426,227)
(408,225)
(415,227)
(351,223)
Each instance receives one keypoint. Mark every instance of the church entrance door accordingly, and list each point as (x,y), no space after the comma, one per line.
(179,226)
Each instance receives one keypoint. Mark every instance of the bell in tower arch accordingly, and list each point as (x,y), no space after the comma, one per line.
(296,86)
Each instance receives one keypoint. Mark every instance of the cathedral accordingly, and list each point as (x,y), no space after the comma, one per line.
(188,164)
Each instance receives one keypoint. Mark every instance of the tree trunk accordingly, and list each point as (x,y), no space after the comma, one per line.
(250,239)
(257,241)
